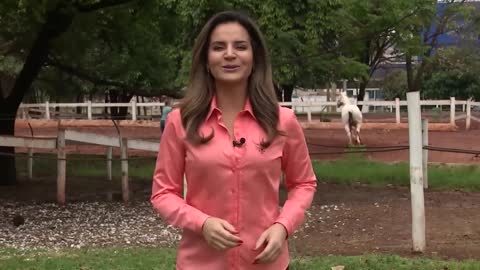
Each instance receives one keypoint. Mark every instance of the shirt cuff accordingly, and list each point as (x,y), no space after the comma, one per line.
(200,220)
(286,223)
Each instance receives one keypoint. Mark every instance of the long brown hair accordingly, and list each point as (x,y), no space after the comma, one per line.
(195,106)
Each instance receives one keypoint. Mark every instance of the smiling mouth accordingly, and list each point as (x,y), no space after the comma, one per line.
(230,68)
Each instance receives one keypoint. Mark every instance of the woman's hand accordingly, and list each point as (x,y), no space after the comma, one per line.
(220,234)
(274,238)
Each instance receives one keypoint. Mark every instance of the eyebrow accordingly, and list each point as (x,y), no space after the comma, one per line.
(235,42)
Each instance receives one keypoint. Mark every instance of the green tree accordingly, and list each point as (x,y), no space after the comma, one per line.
(394,85)
(421,41)
(454,73)
(376,27)
(110,43)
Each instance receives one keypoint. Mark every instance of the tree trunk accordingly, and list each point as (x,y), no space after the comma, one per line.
(119,113)
(78,109)
(361,92)
(55,24)
(287,92)
(7,158)
(278,92)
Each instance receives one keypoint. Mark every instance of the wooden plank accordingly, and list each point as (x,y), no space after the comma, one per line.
(152,104)
(12,141)
(96,105)
(475,118)
(435,102)
(93,138)
(143,145)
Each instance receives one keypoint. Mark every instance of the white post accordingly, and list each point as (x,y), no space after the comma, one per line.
(469,114)
(61,167)
(30,163)
(425,152)
(184,186)
(89,109)
(134,109)
(397,110)
(24,113)
(452,110)
(309,111)
(416,177)
(47,110)
(124,162)
(109,162)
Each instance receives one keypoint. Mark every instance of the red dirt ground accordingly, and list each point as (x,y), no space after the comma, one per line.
(356,219)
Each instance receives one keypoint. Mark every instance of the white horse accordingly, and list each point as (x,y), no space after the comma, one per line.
(351,118)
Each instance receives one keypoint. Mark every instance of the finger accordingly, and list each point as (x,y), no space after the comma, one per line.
(261,240)
(230,237)
(266,253)
(219,246)
(229,227)
(226,242)
(271,256)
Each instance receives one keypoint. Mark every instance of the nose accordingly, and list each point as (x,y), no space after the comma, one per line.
(230,52)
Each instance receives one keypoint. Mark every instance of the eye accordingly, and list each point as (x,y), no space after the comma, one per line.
(241,46)
(217,48)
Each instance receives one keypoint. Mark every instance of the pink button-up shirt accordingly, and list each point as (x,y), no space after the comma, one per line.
(238,184)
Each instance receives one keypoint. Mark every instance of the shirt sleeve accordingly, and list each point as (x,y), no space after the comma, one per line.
(167,187)
(299,176)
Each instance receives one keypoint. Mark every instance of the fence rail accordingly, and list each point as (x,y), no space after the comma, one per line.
(308,107)
(61,141)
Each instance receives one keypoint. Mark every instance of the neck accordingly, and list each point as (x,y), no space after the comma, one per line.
(231,97)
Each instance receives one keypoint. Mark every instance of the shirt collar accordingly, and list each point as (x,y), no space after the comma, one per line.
(213,107)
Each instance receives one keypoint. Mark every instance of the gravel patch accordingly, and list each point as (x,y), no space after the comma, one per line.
(85,224)
(92,224)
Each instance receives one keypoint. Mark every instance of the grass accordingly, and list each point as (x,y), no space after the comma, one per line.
(353,169)
(356,169)
(87,166)
(163,259)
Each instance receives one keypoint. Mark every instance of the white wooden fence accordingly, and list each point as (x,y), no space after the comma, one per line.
(306,107)
(59,144)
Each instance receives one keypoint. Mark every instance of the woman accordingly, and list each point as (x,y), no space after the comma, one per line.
(232,141)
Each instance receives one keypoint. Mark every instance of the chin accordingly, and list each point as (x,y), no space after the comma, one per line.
(231,79)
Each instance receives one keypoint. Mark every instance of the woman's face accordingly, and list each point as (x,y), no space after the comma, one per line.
(230,54)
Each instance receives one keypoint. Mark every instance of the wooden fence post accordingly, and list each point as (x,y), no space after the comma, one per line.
(425,152)
(30,163)
(309,111)
(416,176)
(61,167)
(469,114)
(47,110)
(89,109)
(452,110)
(397,110)
(109,162)
(124,162)
(134,109)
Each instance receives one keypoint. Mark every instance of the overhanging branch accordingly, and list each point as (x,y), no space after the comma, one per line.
(101,5)
(84,75)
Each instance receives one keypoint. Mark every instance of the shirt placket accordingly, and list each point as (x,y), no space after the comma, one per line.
(238,152)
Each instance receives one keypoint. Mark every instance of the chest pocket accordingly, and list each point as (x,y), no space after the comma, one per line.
(269,158)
